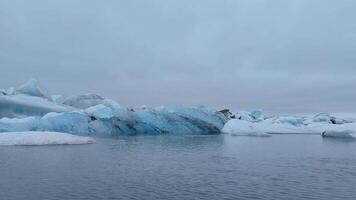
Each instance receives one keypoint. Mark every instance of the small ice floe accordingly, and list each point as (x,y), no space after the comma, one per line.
(339,134)
(42,138)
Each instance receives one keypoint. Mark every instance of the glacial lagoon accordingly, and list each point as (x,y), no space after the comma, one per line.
(183,167)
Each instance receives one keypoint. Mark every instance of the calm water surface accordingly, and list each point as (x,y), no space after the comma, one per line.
(165,167)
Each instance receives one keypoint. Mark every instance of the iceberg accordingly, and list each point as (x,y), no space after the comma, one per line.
(269,127)
(321,124)
(28,108)
(351,134)
(42,138)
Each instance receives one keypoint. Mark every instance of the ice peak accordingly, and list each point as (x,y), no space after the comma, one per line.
(31,87)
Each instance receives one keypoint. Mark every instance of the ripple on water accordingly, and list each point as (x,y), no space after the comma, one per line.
(163,167)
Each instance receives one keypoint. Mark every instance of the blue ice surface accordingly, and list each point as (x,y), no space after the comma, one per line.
(165,120)
(29,108)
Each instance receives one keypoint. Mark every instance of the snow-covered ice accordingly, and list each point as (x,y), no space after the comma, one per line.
(243,128)
(29,108)
(321,124)
(42,138)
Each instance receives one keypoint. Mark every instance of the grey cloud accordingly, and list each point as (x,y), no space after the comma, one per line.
(282,56)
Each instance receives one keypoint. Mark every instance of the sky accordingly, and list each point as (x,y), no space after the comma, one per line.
(294,56)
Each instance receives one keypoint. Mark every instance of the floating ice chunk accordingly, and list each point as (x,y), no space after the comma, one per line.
(339,134)
(270,127)
(31,88)
(290,125)
(42,138)
(100,112)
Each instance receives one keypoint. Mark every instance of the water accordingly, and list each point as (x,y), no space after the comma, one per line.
(162,167)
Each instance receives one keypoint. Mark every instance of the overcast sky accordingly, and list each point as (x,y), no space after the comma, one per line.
(279,55)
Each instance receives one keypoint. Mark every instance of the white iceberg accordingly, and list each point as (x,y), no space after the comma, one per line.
(243,128)
(42,138)
(319,125)
(339,134)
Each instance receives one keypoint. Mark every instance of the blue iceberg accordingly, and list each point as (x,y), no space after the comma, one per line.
(30,109)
